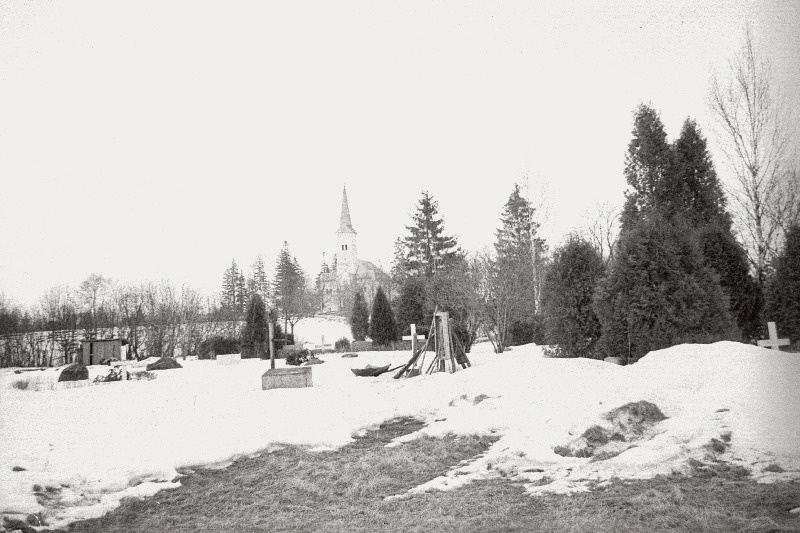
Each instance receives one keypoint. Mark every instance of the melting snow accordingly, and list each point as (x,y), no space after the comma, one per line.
(83,449)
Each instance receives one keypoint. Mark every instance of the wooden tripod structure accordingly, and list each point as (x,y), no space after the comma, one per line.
(449,353)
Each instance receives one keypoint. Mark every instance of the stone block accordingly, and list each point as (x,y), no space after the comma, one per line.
(286,378)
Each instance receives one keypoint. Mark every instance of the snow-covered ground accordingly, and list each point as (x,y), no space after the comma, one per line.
(97,444)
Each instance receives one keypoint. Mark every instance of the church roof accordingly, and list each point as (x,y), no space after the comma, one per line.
(345,225)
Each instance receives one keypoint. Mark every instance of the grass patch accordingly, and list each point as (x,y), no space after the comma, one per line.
(342,491)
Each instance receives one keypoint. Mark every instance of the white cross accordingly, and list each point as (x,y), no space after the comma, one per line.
(413,338)
(773,342)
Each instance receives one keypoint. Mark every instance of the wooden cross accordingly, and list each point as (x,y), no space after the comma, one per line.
(413,338)
(773,342)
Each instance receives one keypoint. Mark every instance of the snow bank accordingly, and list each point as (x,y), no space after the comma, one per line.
(95,444)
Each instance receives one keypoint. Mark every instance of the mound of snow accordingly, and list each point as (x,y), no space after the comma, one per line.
(741,396)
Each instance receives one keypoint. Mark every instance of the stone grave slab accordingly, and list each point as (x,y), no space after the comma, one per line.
(287,378)
(229,359)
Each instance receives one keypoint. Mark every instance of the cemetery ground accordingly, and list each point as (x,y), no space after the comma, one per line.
(293,489)
(693,438)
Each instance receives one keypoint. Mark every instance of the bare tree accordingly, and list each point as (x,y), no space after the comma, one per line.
(754,124)
(93,294)
(602,230)
(502,289)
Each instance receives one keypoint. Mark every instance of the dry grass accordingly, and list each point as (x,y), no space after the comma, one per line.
(297,490)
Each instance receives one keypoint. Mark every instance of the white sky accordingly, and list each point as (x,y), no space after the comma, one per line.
(149,140)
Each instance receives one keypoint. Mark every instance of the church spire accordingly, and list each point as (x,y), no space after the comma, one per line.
(345,225)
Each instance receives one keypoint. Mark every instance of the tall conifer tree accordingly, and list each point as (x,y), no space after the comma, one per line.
(427,249)
(359,319)
(254,333)
(646,164)
(382,328)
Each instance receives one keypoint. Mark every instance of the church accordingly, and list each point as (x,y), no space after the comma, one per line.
(338,282)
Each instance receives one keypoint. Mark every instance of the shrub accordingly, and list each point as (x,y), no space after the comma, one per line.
(114,374)
(659,293)
(382,327)
(342,345)
(74,372)
(526,332)
(165,363)
(569,286)
(217,344)
(295,355)
(143,375)
(21,384)
(359,319)
(783,294)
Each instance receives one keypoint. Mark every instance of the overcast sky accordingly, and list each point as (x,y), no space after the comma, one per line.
(160,140)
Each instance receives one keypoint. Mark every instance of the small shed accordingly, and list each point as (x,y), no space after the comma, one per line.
(94,351)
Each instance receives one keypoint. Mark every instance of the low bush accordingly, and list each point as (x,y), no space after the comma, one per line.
(342,345)
(114,374)
(165,363)
(21,384)
(213,346)
(295,355)
(530,331)
(74,372)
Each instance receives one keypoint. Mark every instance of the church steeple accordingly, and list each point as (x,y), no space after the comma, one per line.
(345,225)
(346,253)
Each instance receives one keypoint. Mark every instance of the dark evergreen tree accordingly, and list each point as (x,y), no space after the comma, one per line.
(382,327)
(783,294)
(726,256)
(691,188)
(569,287)
(255,334)
(412,307)
(659,293)
(646,164)
(693,194)
(359,318)
(427,249)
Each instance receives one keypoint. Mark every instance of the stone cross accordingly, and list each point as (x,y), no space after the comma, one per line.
(773,342)
(413,338)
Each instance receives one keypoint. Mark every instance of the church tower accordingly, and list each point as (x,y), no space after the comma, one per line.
(346,252)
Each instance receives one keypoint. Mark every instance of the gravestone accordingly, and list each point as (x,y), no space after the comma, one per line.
(773,342)
(229,359)
(286,378)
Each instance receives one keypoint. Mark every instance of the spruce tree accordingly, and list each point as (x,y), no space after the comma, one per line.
(289,289)
(230,296)
(659,293)
(382,327)
(569,287)
(255,334)
(783,293)
(359,318)
(427,249)
(519,249)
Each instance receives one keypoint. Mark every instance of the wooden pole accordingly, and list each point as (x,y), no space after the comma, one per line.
(271,330)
